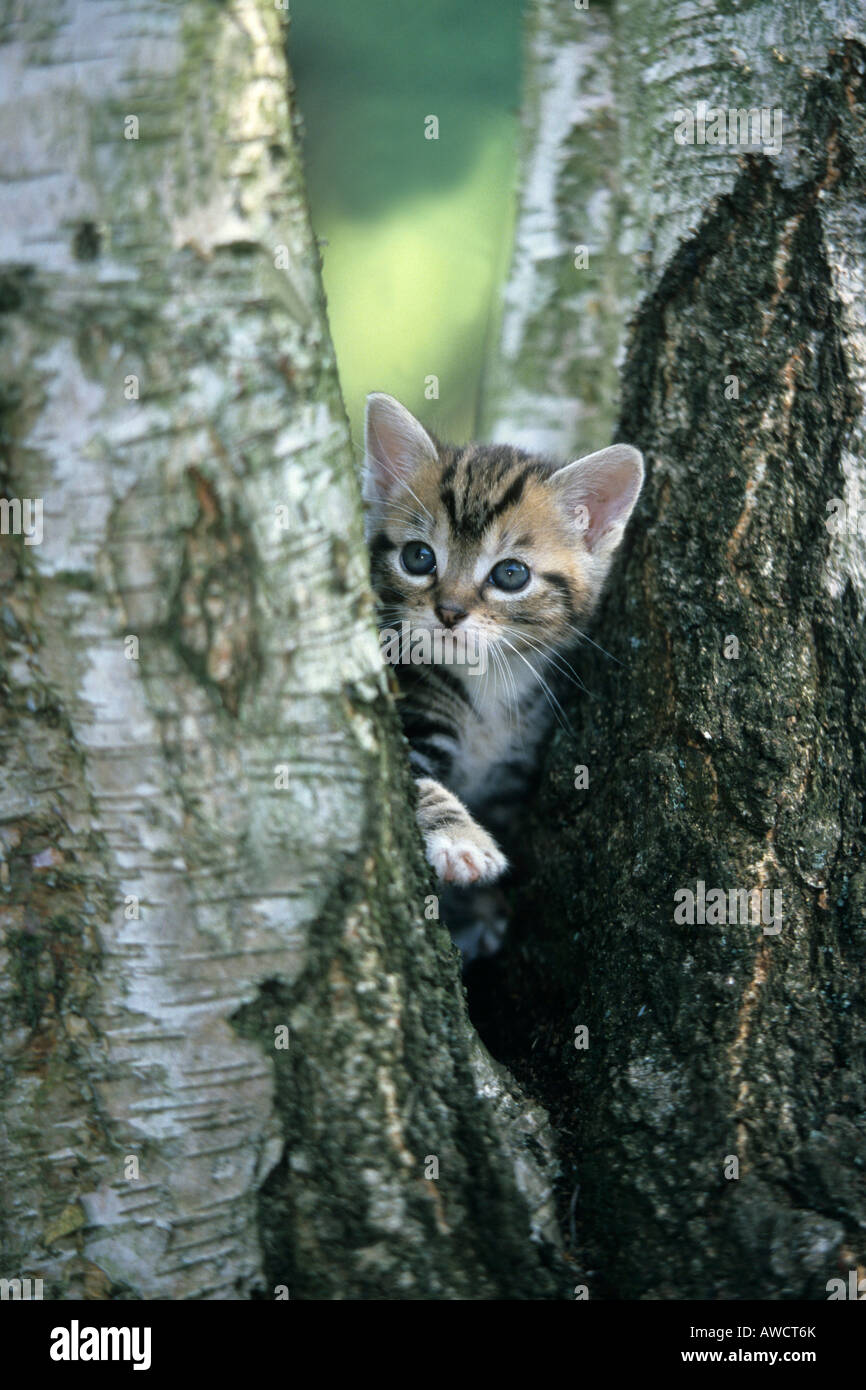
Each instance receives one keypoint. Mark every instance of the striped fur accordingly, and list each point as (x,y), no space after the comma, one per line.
(475,738)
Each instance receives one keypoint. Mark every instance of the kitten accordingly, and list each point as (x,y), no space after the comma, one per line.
(483,550)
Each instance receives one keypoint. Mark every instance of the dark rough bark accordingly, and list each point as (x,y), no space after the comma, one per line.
(143,1032)
(712,1041)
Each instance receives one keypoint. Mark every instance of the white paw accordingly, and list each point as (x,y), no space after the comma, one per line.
(464,859)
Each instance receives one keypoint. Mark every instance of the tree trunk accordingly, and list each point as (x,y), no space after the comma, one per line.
(237,1054)
(726,743)
(553,378)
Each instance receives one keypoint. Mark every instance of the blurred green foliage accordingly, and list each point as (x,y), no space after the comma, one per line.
(417,231)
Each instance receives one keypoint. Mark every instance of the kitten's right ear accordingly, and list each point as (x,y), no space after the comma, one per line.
(600,491)
(395,444)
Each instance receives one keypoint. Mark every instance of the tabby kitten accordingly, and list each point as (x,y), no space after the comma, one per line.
(495,547)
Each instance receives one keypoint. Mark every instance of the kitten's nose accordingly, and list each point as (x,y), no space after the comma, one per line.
(449,614)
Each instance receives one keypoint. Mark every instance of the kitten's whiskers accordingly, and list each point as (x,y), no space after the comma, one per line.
(556,659)
(598,648)
(554,703)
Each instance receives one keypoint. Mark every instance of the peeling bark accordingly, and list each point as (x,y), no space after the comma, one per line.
(553,378)
(203,796)
(713,1042)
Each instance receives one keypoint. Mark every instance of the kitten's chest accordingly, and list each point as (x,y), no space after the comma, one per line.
(482,746)
(497,748)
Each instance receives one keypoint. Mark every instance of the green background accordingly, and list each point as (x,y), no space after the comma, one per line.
(418,231)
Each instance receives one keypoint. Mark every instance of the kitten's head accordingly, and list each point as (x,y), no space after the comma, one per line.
(489,538)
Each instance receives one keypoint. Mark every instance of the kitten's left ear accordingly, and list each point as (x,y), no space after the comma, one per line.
(599,492)
(395,444)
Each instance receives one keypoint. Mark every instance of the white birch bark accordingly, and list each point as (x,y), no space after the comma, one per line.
(204,812)
(552,383)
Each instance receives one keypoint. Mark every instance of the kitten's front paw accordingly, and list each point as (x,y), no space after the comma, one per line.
(460,850)
(465,856)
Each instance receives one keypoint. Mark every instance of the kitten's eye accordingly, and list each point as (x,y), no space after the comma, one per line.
(418,558)
(510,575)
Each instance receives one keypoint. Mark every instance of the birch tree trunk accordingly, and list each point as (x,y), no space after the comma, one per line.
(554,376)
(237,1059)
(715,1122)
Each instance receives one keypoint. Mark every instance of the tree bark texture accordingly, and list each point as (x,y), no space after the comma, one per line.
(233,1035)
(554,377)
(741,765)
